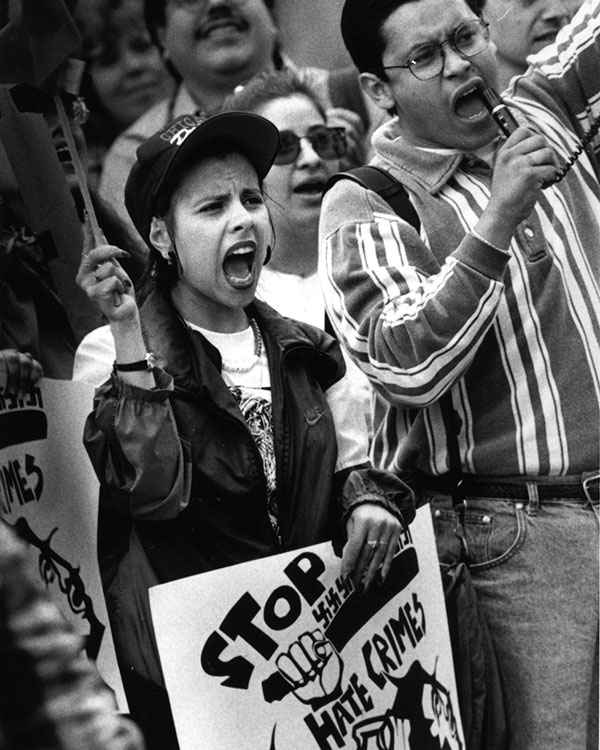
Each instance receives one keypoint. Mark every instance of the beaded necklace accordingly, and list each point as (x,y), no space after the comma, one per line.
(246,367)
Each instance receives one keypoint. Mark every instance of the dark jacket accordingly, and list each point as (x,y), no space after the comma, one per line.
(180,466)
(226,521)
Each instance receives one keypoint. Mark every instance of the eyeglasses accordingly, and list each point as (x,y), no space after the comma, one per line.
(427,61)
(329,143)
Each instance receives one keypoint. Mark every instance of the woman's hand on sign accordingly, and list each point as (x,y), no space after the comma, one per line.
(18,371)
(373,534)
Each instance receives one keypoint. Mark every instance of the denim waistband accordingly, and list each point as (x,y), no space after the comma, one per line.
(584,487)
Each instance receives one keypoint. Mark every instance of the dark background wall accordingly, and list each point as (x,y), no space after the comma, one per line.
(310,31)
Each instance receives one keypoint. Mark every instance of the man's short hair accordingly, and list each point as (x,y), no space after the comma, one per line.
(154,14)
(362,22)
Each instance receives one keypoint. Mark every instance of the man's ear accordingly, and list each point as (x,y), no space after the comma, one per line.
(160,238)
(380,92)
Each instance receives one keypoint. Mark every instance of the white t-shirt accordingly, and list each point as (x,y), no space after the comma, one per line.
(297,297)
(96,353)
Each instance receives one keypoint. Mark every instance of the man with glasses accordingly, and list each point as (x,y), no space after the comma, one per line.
(209,47)
(492,302)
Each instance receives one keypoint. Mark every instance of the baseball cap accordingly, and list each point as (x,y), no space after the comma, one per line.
(168,154)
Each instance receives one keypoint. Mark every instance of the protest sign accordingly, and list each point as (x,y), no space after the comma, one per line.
(283,654)
(49,493)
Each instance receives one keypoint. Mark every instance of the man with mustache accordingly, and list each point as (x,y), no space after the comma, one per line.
(480,329)
(211,47)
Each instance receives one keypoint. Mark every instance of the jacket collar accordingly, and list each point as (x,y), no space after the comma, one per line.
(428,169)
(182,102)
(172,342)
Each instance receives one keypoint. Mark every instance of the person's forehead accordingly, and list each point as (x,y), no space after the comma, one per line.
(291,111)
(423,21)
(220,171)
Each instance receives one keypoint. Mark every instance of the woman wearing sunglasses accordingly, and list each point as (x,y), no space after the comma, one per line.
(235,439)
(309,153)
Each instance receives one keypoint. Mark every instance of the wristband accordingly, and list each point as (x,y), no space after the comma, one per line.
(148,363)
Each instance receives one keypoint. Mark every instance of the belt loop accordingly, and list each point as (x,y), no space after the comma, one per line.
(533,506)
(591,482)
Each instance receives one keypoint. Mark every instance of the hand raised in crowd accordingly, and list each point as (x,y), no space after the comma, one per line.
(373,534)
(105,281)
(18,371)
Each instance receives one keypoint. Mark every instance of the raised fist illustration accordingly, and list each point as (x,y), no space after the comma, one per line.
(313,668)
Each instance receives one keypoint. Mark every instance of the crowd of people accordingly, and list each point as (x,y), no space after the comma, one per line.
(272,356)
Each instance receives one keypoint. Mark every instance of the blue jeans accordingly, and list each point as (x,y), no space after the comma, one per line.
(535,570)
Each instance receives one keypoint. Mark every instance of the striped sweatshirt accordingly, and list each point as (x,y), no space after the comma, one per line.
(513,336)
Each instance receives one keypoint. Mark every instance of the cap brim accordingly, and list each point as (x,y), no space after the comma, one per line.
(254,136)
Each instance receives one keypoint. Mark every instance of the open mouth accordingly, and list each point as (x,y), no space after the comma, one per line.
(239,265)
(469,105)
(310,188)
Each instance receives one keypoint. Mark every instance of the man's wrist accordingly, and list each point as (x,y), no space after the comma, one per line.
(478,236)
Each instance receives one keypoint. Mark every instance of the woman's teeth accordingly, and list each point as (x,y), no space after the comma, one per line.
(238,265)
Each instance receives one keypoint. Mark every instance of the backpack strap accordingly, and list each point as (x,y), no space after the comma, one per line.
(380,181)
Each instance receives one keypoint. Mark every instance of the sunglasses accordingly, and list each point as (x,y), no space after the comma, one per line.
(328,143)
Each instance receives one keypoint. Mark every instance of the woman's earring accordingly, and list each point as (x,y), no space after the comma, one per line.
(268,255)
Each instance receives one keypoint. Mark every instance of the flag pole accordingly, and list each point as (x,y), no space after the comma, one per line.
(70,81)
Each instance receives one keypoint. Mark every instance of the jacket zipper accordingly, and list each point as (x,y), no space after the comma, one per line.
(240,424)
(286,432)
